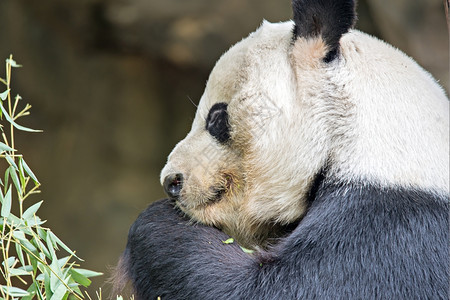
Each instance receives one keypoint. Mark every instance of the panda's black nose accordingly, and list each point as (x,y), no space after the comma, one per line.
(173,184)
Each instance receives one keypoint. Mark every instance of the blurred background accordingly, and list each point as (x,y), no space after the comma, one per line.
(110,82)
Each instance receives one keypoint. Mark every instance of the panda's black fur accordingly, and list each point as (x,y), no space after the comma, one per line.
(330,19)
(217,122)
(358,239)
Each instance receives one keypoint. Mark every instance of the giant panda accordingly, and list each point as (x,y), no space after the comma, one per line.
(323,149)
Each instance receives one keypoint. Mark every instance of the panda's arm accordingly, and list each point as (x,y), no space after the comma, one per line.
(169,257)
(353,241)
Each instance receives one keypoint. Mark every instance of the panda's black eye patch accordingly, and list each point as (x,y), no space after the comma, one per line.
(217,122)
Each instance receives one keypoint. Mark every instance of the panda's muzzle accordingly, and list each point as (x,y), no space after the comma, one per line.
(173,184)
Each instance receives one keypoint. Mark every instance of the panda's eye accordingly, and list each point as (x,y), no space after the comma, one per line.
(217,122)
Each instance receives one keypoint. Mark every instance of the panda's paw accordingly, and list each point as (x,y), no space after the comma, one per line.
(160,217)
(163,211)
(165,246)
(162,223)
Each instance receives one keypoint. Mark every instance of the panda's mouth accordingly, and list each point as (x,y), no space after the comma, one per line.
(219,191)
(213,195)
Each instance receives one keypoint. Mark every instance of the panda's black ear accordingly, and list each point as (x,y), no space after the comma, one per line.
(329,19)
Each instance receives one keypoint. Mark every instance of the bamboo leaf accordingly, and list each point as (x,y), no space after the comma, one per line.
(33,262)
(228,241)
(11,161)
(79,278)
(34,222)
(40,277)
(63,261)
(4,95)
(76,289)
(31,211)
(4,147)
(12,63)
(9,262)
(42,233)
(6,204)
(60,292)
(18,272)
(20,254)
(5,186)
(25,244)
(22,175)
(14,291)
(34,290)
(87,273)
(51,247)
(27,268)
(41,246)
(15,179)
(48,290)
(248,251)
(10,120)
(38,289)
(12,220)
(28,170)
(60,243)
(54,280)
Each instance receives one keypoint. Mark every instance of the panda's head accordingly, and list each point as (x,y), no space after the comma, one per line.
(252,153)
(278,108)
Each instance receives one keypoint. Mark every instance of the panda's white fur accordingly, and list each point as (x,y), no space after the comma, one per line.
(372,114)
(402,118)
